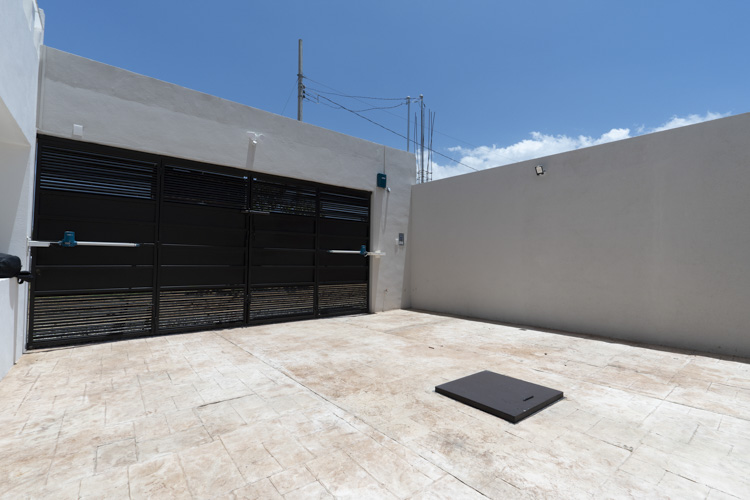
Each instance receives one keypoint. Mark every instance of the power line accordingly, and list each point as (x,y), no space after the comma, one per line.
(358,98)
(318,94)
(353,96)
(315,98)
(341,93)
(341,106)
(290,96)
(323,103)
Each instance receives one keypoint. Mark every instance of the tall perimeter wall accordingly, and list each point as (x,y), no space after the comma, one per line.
(119,108)
(646,239)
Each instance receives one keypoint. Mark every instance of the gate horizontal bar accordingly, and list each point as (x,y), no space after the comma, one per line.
(359,252)
(42,244)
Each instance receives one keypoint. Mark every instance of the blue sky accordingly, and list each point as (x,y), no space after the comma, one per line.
(507,80)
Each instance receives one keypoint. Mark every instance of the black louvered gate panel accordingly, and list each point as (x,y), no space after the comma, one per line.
(216,249)
(201,308)
(344,224)
(283,198)
(73,170)
(342,299)
(193,185)
(282,254)
(341,206)
(86,294)
(281,302)
(202,247)
(75,318)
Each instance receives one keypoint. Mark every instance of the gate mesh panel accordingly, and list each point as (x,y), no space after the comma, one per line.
(64,169)
(74,318)
(280,301)
(344,207)
(283,198)
(199,187)
(342,299)
(191,308)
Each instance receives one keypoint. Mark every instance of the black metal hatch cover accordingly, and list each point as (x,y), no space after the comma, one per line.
(505,397)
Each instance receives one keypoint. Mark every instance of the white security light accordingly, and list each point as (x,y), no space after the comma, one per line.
(255,137)
(539,170)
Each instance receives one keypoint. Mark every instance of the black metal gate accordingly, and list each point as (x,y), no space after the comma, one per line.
(217,246)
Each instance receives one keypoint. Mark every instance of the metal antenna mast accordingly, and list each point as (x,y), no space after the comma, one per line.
(421,139)
(300,85)
(408,121)
(431,156)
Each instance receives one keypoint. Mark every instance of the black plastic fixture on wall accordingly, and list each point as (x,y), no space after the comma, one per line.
(10,267)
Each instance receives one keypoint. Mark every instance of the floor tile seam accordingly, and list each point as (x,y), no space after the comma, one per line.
(236,467)
(745,417)
(54,453)
(28,392)
(178,459)
(316,481)
(277,368)
(414,451)
(361,466)
(273,457)
(291,377)
(666,469)
(391,330)
(417,325)
(416,342)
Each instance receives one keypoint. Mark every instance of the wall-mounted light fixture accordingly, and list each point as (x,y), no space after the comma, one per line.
(77,131)
(255,137)
(539,170)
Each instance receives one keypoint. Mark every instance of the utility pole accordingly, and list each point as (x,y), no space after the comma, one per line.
(408,121)
(300,84)
(421,140)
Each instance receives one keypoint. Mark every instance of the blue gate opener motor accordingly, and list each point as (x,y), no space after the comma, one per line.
(69,239)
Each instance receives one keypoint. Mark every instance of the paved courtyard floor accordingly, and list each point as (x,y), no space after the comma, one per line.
(346,408)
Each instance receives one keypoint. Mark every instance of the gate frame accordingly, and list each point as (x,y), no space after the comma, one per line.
(160,160)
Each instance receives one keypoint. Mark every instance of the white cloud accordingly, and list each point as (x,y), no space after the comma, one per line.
(677,121)
(543,145)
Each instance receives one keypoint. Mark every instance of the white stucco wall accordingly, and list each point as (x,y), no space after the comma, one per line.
(20,36)
(644,239)
(120,108)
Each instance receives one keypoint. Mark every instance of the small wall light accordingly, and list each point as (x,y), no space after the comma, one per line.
(539,170)
(255,137)
(77,130)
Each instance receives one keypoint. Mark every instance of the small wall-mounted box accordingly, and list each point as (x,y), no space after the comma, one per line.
(382,181)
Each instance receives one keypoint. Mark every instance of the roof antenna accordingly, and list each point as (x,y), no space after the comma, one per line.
(300,85)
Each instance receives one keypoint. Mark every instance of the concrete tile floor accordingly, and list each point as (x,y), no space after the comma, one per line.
(346,408)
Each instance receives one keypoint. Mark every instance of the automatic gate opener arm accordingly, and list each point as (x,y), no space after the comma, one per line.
(69,241)
(105,244)
(33,243)
(357,252)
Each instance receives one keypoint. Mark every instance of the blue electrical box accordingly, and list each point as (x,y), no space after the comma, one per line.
(381,180)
